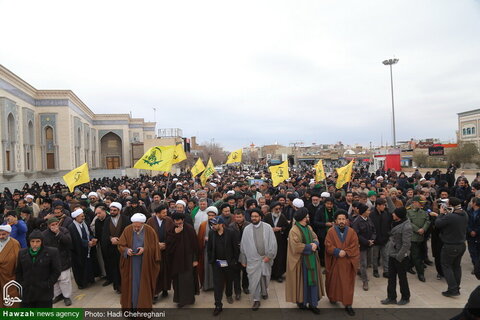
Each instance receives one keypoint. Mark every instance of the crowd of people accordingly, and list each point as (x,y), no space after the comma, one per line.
(146,236)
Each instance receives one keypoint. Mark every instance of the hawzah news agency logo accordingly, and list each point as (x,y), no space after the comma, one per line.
(7,300)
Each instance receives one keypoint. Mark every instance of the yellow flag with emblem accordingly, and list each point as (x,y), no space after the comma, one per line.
(235,156)
(157,159)
(279,173)
(179,154)
(197,168)
(344,174)
(77,177)
(319,171)
(209,170)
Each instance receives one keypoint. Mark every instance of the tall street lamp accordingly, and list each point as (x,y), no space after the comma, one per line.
(390,63)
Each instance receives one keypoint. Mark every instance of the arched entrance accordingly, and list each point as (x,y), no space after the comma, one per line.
(111,151)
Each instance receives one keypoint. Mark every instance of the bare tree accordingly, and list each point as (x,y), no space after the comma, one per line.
(215,151)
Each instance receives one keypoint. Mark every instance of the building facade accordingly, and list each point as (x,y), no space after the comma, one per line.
(468,124)
(49,132)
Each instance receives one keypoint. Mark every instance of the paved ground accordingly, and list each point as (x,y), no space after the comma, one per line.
(423,295)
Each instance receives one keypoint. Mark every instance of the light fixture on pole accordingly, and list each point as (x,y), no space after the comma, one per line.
(390,63)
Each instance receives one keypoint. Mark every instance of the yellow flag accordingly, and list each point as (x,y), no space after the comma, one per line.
(179,154)
(209,170)
(157,158)
(235,156)
(279,173)
(344,174)
(77,177)
(319,171)
(197,168)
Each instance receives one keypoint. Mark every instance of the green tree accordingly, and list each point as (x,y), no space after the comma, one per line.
(464,153)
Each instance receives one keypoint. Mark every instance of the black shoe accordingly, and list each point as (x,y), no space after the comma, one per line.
(439,277)
(217,311)
(67,302)
(350,310)
(81,287)
(106,283)
(451,293)
(57,298)
(155,298)
(180,305)
(411,271)
(280,280)
(315,310)
(421,277)
(230,299)
(256,305)
(246,291)
(389,301)
(428,262)
(333,303)
(301,306)
(164,293)
(376,274)
(385,275)
(118,291)
(403,302)
(238,296)
(265,297)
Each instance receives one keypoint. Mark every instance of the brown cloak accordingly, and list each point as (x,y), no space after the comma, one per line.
(294,274)
(8,264)
(201,248)
(341,272)
(163,280)
(150,268)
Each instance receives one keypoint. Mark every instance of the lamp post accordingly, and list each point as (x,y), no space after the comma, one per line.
(390,63)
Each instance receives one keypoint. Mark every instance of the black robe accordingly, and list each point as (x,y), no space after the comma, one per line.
(280,263)
(110,253)
(84,259)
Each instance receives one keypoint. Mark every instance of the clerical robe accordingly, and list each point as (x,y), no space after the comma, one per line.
(280,263)
(296,286)
(8,263)
(139,273)
(164,279)
(182,250)
(341,272)
(205,269)
(249,255)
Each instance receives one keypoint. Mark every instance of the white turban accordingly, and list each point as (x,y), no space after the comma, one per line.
(230,192)
(6,227)
(76,213)
(298,203)
(379,178)
(178,184)
(212,209)
(117,205)
(93,194)
(325,195)
(126,191)
(174,179)
(138,217)
(213,184)
(83,196)
(181,202)
(29,196)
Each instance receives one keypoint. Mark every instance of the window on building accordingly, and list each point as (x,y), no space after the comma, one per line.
(469,131)
(473,130)
(464,131)
(49,148)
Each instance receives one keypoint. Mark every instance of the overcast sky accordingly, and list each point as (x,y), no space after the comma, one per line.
(257,71)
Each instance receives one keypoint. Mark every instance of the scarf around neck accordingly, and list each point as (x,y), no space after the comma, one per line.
(309,259)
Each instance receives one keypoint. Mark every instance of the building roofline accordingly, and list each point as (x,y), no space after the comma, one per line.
(464,113)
